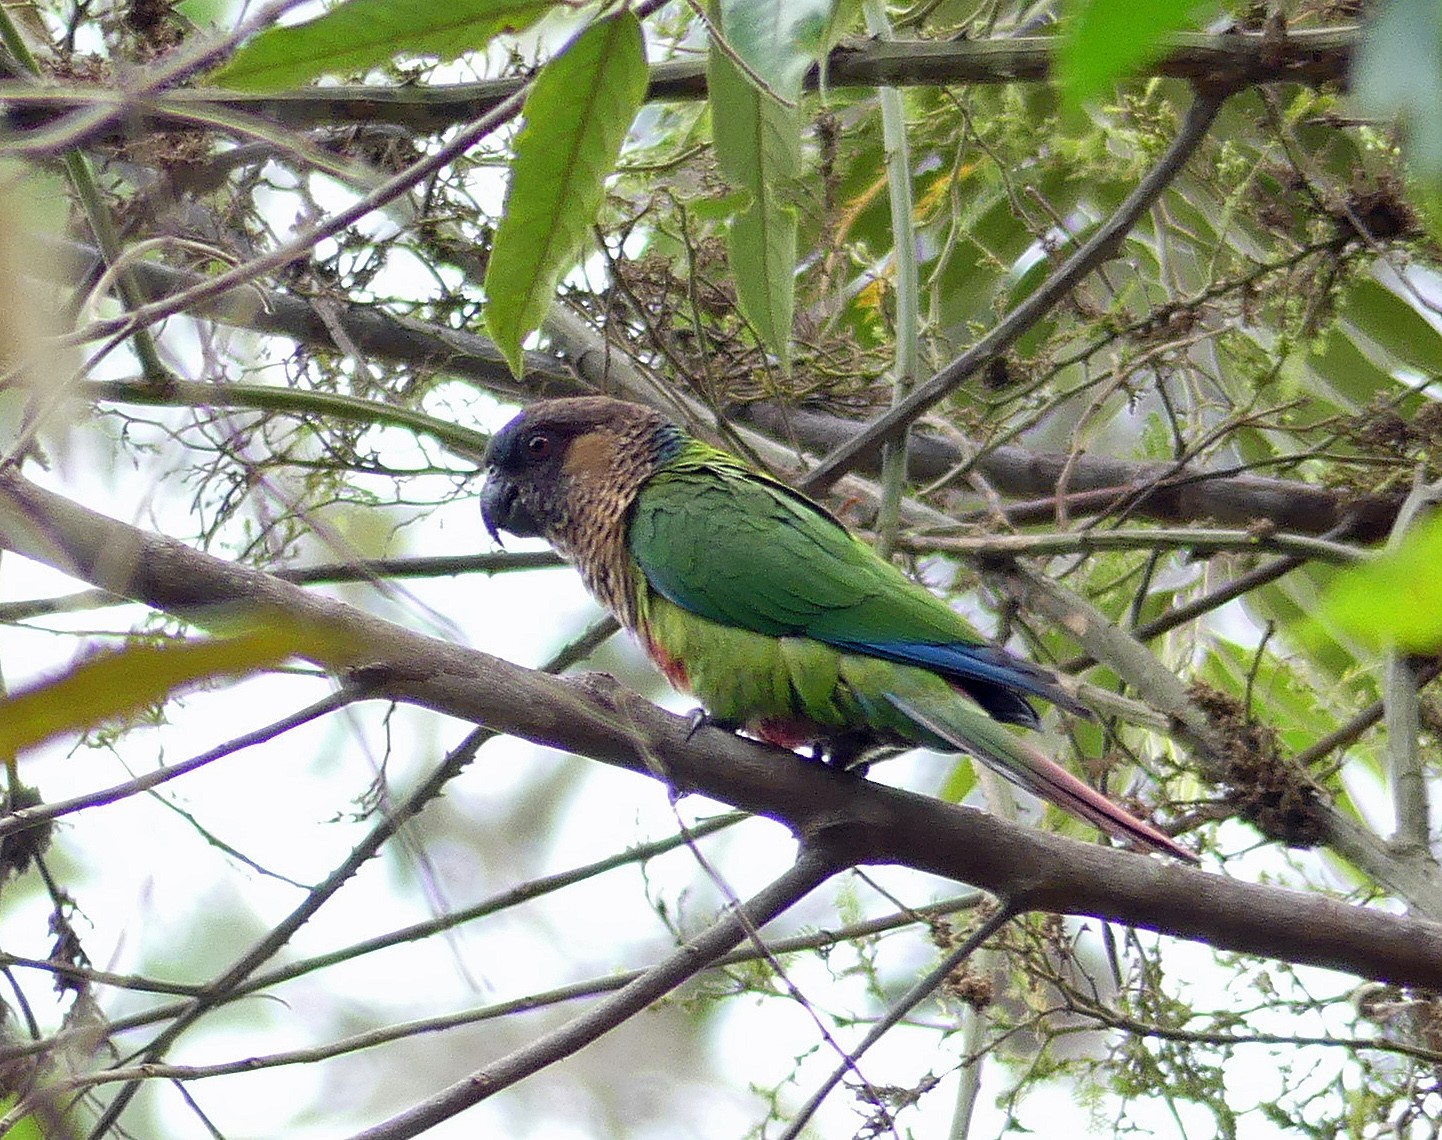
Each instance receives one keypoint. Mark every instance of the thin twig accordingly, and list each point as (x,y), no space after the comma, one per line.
(25,818)
(277,937)
(306,240)
(753,936)
(899,1009)
(809,872)
(1341,737)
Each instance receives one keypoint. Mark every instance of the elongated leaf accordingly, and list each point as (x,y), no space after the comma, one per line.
(758,145)
(576,116)
(1385,317)
(126,681)
(1396,599)
(366,33)
(779,40)
(1107,38)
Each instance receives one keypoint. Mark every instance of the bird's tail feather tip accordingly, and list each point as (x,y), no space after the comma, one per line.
(1027,767)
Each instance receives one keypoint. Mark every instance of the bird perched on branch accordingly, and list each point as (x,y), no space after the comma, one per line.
(761,604)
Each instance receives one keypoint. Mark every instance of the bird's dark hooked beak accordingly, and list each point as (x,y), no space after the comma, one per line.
(502,509)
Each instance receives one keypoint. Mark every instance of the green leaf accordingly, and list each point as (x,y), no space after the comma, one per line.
(1396,598)
(1393,324)
(758,146)
(1108,38)
(116,684)
(1336,375)
(27,1127)
(779,40)
(367,33)
(1398,72)
(959,782)
(757,131)
(1295,602)
(577,116)
(1425,197)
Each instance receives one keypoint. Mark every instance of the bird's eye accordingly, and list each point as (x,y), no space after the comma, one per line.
(538,447)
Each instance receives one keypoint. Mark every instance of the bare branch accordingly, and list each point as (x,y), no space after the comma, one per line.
(1098,482)
(1232,60)
(1198,541)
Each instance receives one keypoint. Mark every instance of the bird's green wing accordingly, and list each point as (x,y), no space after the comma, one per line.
(723,542)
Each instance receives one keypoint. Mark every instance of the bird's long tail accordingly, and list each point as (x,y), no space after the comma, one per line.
(969,729)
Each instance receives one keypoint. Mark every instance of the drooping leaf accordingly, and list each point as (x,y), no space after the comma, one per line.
(778,40)
(576,119)
(758,145)
(1108,38)
(1396,598)
(123,682)
(367,33)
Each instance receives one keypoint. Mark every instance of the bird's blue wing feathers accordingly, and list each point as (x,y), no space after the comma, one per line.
(995,678)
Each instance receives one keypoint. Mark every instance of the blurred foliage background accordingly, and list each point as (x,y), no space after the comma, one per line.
(1231,401)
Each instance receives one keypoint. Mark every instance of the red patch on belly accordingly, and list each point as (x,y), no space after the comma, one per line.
(673,667)
(786,732)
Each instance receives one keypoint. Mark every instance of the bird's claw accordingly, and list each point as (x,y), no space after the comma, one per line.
(699,718)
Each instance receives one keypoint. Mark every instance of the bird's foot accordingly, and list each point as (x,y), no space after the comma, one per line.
(699,718)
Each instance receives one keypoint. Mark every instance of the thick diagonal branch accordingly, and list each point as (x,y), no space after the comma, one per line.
(854,821)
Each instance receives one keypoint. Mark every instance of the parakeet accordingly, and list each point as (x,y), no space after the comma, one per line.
(761,604)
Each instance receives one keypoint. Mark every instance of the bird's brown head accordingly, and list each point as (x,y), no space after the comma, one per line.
(568,470)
